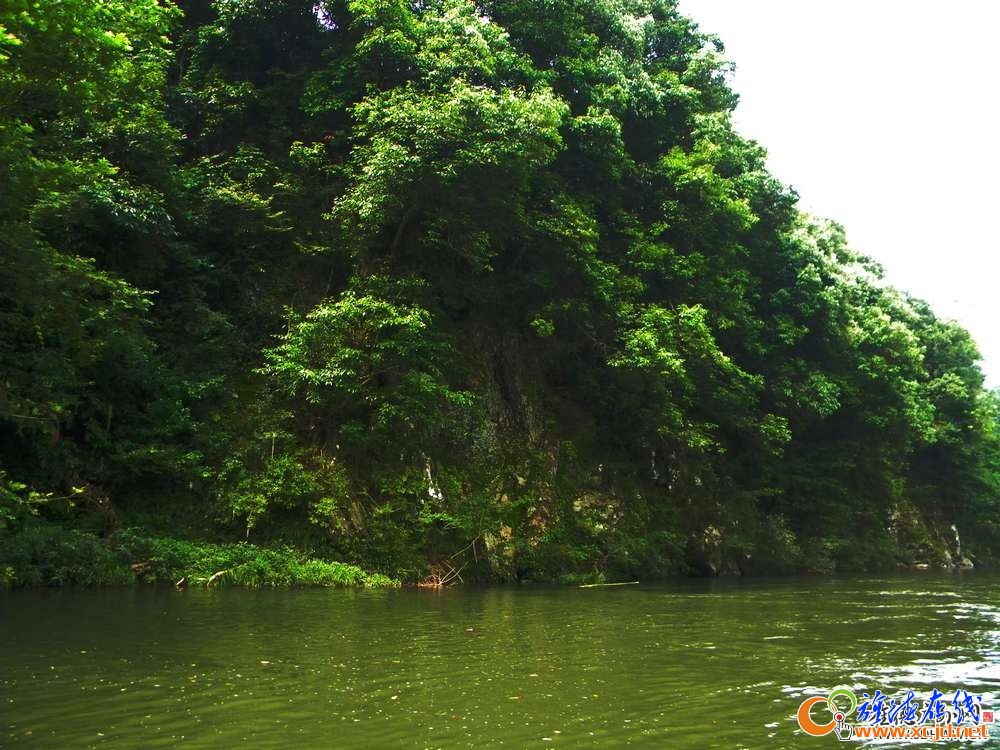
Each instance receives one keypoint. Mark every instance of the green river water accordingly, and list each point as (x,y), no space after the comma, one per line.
(693,664)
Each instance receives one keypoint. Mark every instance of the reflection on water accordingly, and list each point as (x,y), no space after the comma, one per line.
(694,664)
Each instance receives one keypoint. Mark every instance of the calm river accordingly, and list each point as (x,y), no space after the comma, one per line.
(694,664)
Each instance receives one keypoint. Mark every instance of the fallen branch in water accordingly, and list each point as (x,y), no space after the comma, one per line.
(597,585)
(439,577)
(215,576)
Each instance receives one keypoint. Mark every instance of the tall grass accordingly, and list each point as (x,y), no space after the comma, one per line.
(54,556)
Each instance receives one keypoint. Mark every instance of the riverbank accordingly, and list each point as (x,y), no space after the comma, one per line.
(51,555)
(54,556)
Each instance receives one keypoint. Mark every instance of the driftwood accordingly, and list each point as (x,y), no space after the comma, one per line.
(441,576)
(599,585)
(183,583)
(215,577)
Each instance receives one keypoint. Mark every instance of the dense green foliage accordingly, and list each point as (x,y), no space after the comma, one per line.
(55,557)
(483,284)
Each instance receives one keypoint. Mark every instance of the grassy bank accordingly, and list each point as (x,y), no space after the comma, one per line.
(53,556)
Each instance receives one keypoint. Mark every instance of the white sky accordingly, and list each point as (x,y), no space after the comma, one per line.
(883,114)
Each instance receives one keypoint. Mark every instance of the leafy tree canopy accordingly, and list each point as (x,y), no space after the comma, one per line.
(485,282)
